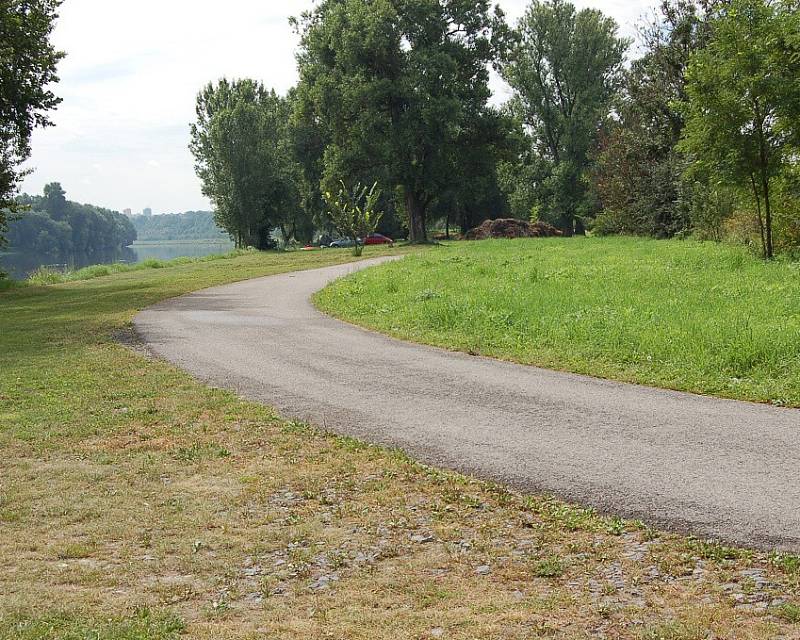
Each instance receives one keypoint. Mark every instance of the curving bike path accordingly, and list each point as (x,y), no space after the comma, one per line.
(717,468)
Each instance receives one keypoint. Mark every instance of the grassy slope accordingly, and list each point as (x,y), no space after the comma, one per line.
(697,317)
(136,503)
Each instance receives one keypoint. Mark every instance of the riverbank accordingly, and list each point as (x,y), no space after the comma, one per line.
(21,265)
(157,243)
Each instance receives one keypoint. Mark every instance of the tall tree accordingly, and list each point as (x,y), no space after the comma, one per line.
(565,69)
(394,85)
(55,200)
(242,157)
(637,171)
(27,66)
(743,103)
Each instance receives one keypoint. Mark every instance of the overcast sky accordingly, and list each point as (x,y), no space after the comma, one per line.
(131,75)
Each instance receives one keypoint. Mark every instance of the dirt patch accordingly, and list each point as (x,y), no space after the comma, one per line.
(512,228)
(128,337)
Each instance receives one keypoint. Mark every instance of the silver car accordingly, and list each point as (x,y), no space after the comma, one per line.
(341,243)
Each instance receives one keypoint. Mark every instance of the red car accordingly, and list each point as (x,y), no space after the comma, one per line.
(377,238)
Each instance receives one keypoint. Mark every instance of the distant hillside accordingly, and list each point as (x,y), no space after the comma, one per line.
(192,225)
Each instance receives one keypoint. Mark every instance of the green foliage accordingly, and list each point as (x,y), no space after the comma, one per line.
(713,550)
(354,212)
(192,225)
(57,227)
(143,625)
(55,201)
(27,67)
(790,612)
(742,108)
(675,630)
(787,563)
(241,145)
(44,276)
(685,315)
(565,70)
(399,90)
(637,171)
(552,567)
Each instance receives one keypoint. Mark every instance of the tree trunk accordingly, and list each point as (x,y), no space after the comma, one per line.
(764,158)
(567,226)
(416,218)
(760,218)
(767,214)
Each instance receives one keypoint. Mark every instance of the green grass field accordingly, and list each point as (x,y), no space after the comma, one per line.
(139,504)
(706,318)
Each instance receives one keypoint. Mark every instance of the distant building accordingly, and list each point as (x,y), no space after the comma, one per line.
(127,212)
(147,212)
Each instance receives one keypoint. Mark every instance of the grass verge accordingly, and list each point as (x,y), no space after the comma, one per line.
(705,318)
(136,503)
(44,276)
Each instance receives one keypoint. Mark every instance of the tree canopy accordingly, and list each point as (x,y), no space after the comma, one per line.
(743,100)
(191,225)
(399,89)
(565,68)
(396,92)
(27,67)
(244,159)
(637,170)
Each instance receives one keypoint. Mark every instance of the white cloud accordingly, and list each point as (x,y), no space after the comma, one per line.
(130,78)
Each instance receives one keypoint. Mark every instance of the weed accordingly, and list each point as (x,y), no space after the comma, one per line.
(75,551)
(788,563)
(676,631)
(789,612)
(712,550)
(552,567)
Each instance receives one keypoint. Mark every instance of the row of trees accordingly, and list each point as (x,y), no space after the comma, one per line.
(54,226)
(390,91)
(698,134)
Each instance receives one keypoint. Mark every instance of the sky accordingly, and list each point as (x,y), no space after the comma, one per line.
(131,75)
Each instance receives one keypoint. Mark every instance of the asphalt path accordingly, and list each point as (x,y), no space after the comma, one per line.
(716,468)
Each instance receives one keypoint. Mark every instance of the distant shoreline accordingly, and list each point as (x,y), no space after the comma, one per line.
(146,243)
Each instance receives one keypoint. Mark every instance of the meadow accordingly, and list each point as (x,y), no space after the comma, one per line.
(700,317)
(137,503)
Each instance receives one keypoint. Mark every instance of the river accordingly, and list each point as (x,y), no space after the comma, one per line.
(20,265)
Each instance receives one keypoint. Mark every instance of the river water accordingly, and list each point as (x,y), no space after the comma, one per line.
(20,265)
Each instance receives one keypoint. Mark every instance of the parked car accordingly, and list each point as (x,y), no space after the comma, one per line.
(378,238)
(341,243)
